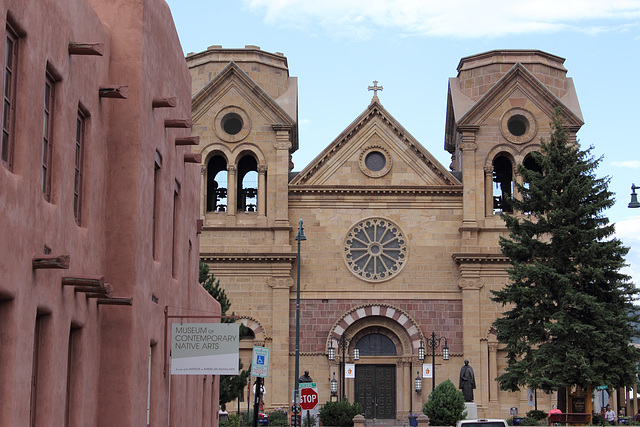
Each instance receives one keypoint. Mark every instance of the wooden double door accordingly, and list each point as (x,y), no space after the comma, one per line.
(375,390)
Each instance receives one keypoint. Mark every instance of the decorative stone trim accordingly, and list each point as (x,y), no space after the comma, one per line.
(527,120)
(465,284)
(280,282)
(256,327)
(365,161)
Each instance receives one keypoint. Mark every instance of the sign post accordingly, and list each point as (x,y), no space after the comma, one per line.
(260,369)
(309,399)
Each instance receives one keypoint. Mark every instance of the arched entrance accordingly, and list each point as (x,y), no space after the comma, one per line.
(387,339)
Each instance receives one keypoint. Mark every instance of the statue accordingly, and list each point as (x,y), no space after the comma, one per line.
(467,381)
(305,378)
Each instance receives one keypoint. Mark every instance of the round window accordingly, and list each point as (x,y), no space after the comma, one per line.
(232,123)
(375,250)
(375,161)
(518,125)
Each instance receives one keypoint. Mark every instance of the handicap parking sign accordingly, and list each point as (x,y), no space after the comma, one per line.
(260,362)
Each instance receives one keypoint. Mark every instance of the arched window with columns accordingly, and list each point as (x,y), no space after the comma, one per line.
(216,195)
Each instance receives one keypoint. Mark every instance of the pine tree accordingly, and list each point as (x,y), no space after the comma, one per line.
(231,386)
(570,313)
(445,406)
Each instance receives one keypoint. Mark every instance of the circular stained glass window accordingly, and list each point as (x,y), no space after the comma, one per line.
(375,161)
(375,250)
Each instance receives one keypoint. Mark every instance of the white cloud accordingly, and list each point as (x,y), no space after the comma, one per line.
(628,231)
(634,164)
(359,19)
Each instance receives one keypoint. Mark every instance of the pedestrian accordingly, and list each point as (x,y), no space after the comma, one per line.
(610,416)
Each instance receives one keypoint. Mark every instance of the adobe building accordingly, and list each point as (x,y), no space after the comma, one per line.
(100,199)
(398,247)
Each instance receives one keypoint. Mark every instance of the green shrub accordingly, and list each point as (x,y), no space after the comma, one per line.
(537,414)
(597,420)
(278,418)
(339,414)
(445,406)
(529,421)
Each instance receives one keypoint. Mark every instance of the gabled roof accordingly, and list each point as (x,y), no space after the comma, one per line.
(232,76)
(375,120)
(463,111)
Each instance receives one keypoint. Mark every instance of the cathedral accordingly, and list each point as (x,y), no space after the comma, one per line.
(399,253)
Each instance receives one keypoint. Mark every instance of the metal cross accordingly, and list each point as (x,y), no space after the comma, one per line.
(375,88)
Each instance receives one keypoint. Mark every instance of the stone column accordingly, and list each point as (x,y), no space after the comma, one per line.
(279,357)
(203,193)
(232,189)
(470,284)
(468,148)
(262,190)
(493,371)
(281,190)
(488,191)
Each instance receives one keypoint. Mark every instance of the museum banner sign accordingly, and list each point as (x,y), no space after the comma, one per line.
(204,348)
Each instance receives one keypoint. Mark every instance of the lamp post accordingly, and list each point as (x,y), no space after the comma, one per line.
(434,343)
(300,237)
(343,342)
(634,197)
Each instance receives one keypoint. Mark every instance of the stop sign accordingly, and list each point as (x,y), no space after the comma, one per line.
(308,398)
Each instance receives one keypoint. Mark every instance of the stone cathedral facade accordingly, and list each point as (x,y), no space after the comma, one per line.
(399,248)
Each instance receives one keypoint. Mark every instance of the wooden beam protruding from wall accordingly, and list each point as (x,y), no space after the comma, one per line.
(167,102)
(61,261)
(115,91)
(90,292)
(199,226)
(115,301)
(193,158)
(177,123)
(95,282)
(86,48)
(188,140)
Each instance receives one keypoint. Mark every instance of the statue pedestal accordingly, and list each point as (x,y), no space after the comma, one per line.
(472,410)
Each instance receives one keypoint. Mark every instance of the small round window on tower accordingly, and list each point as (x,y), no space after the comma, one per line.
(232,123)
(518,125)
(375,161)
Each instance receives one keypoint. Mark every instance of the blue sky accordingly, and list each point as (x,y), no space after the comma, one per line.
(337,48)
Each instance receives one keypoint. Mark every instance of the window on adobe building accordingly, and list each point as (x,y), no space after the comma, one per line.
(156,205)
(37,365)
(217,184)
(174,238)
(503,184)
(47,135)
(9,96)
(73,358)
(79,165)
(247,184)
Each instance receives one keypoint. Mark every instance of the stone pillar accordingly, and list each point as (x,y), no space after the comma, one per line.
(279,358)
(203,193)
(468,148)
(262,190)
(232,188)
(493,371)
(488,191)
(470,284)
(281,190)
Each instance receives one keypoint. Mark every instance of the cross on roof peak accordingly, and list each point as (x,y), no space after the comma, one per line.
(375,88)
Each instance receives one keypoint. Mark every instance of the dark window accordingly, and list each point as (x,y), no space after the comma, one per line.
(232,123)
(9,97)
(376,345)
(79,166)
(156,204)
(47,131)
(175,230)
(247,184)
(72,360)
(375,161)
(217,184)
(503,189)
(518,125)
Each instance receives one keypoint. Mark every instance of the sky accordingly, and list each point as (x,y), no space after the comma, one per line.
(337,48)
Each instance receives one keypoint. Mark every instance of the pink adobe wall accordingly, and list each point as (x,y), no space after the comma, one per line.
(318,316)
(109,375)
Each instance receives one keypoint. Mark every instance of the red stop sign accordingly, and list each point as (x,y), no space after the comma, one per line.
(308,398)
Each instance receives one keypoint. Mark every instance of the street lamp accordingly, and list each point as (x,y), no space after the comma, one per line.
(418,383)
(634,197)
(434,343)
(300,237)
(343,342)
(334,388)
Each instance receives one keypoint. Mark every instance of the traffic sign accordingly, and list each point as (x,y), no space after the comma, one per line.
(308,398)
(260,362)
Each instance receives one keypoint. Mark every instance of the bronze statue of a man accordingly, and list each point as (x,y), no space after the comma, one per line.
(467,381)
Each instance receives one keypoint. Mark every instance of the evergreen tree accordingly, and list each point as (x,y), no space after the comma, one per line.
(231,386)
(569,309)
(445,406)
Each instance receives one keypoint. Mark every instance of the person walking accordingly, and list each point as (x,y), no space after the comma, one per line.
(610,416)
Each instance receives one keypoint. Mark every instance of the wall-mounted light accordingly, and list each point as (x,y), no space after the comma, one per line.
(418,383)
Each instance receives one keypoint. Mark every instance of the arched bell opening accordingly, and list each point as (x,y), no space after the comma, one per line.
(216,184)
(247,200)
(503,184)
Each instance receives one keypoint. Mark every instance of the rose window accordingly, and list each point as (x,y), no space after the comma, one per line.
(375,250)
